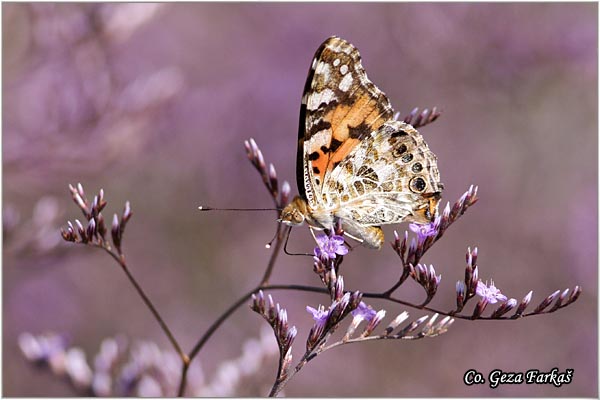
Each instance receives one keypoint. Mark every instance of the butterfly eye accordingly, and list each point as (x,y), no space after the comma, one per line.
(297,218)
(417,185)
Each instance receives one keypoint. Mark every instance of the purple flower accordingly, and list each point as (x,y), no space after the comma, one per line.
(364,311)
(330,247)
(490,293)
(425,230)
(320,315)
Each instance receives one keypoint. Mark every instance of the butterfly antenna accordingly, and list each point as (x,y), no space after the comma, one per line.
(205,208)
(268,245)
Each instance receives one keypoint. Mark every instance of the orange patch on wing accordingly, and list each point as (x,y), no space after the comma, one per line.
(336,118)
(374,119)
(343,117)
(319,166)
(342,152)
(364,110)
(328,159)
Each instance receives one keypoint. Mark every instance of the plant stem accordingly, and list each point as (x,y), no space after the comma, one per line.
(280,383)
(281,233)
(217,323)
(121,260)
(183,379)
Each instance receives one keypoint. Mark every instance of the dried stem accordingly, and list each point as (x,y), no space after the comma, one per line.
(343,302)
(242,300)
(282,232)
(121,260)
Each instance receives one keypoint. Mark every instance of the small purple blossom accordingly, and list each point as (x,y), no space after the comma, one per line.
(330,247)
(365,311)
(320,315)
(490,293)
(425,230)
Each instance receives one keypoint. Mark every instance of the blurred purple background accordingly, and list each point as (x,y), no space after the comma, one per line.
(153,102)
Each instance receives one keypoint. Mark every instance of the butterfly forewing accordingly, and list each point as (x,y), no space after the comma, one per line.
(340,108)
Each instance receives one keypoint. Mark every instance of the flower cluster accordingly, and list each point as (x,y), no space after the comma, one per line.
(141,368)
(329,247)
(172,371)
(95,230)
(327,321)
(490,293)
(277,318)
(419,119)
(426,277)
(424,231)
(281,196)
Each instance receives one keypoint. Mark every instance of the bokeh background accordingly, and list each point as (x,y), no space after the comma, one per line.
(152,102)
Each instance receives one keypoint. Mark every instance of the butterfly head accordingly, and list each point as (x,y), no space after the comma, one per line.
(295,212)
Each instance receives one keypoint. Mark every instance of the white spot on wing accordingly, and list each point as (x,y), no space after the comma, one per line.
(336,62)
(343,69)
(323,69)
(346,83)
(314,100)
(320,138)
(340,46)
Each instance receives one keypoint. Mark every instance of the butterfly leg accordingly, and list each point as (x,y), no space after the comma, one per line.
(312,232)
(359,240)
(369,236)
(287,238)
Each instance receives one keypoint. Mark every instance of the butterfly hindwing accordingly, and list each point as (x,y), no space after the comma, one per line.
(385,178)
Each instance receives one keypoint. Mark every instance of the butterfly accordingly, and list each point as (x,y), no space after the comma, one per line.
(355,162)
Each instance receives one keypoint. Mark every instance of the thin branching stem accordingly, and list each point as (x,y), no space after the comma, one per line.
(187,358)
(227,313)
(398,283)
(120,259)
(279,379)
(183,379)
(94,236)
(280,383)
(366,339)
(281,234)
(310,353)
(209,332)
(264,286)
(385,296)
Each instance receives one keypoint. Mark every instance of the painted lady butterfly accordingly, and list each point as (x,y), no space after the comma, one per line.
(356,163)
